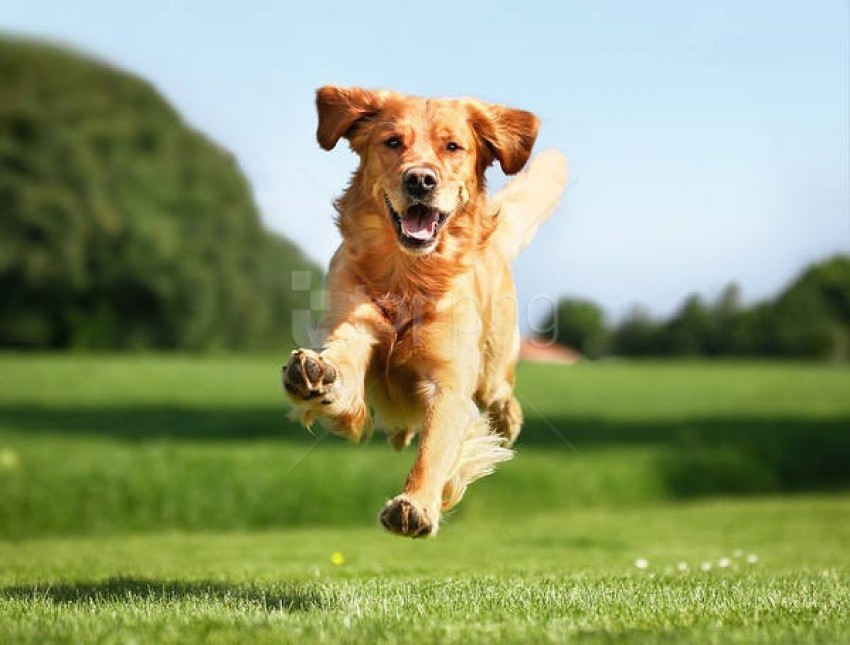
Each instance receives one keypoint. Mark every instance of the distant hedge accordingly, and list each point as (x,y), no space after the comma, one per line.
(120,226)
(810,319)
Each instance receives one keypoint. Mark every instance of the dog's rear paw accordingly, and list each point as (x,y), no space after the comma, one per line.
(308,376)
(403,516)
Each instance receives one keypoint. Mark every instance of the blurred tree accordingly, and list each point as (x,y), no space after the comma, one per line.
(728,303)
(120,226)
(689,331)
(724,312)
(580,325)
(637,335)
(748,331)
(811,318)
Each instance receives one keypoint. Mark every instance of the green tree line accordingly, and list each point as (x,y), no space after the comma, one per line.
(121,227)
(810,319)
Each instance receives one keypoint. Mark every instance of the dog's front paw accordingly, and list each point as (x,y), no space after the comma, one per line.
(404,516)
(308,376)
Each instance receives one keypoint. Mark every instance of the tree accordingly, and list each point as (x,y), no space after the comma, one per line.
(637,335)
(811,318)
(580,325)
(688,333)
(120,226)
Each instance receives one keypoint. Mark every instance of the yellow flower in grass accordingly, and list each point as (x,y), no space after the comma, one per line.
(9,459)
(337,558)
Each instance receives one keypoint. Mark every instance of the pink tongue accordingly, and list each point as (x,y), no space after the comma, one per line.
(419,227)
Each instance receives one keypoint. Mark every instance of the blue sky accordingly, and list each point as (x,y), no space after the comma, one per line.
(708,142)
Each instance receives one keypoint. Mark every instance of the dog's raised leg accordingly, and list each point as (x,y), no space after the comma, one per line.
(328,384)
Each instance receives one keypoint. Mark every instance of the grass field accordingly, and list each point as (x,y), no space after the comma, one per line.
(168,499)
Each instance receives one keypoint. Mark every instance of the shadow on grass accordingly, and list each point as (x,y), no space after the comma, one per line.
(698,456)
(174,422)
(156,422)
(132,590)
(718,455)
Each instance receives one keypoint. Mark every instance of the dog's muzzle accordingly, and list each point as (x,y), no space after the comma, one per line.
(417,227)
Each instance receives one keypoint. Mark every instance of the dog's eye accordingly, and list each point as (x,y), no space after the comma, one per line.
(451,146)
(392,142)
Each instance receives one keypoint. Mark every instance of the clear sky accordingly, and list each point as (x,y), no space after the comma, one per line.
(708,141)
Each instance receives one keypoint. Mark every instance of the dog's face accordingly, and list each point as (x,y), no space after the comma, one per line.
(422,160)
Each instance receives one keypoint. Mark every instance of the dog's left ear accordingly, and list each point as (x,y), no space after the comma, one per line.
(341,109)
(508,134)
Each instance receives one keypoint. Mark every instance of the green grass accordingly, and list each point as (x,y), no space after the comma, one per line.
(168,499)
(151,443)
(547,577)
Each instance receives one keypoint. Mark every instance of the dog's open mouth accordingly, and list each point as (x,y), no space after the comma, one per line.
(418,226)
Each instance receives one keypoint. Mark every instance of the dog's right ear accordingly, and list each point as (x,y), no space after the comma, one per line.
(341,110)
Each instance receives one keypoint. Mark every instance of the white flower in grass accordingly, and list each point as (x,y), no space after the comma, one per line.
(642,563)
(724,563)
(705,566)
(752,558)
(682,567)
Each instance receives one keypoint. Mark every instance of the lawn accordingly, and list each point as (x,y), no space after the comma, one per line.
(168,499)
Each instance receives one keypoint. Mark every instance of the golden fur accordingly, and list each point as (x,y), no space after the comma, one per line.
(422,320)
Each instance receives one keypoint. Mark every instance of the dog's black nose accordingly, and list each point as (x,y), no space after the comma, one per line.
(419,181)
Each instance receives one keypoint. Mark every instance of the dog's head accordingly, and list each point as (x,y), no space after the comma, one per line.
(423,160)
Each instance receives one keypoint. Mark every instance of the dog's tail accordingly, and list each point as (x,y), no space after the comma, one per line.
(480,452)
(528,200)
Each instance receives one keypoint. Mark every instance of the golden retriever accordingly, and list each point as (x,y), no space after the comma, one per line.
(421,326)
